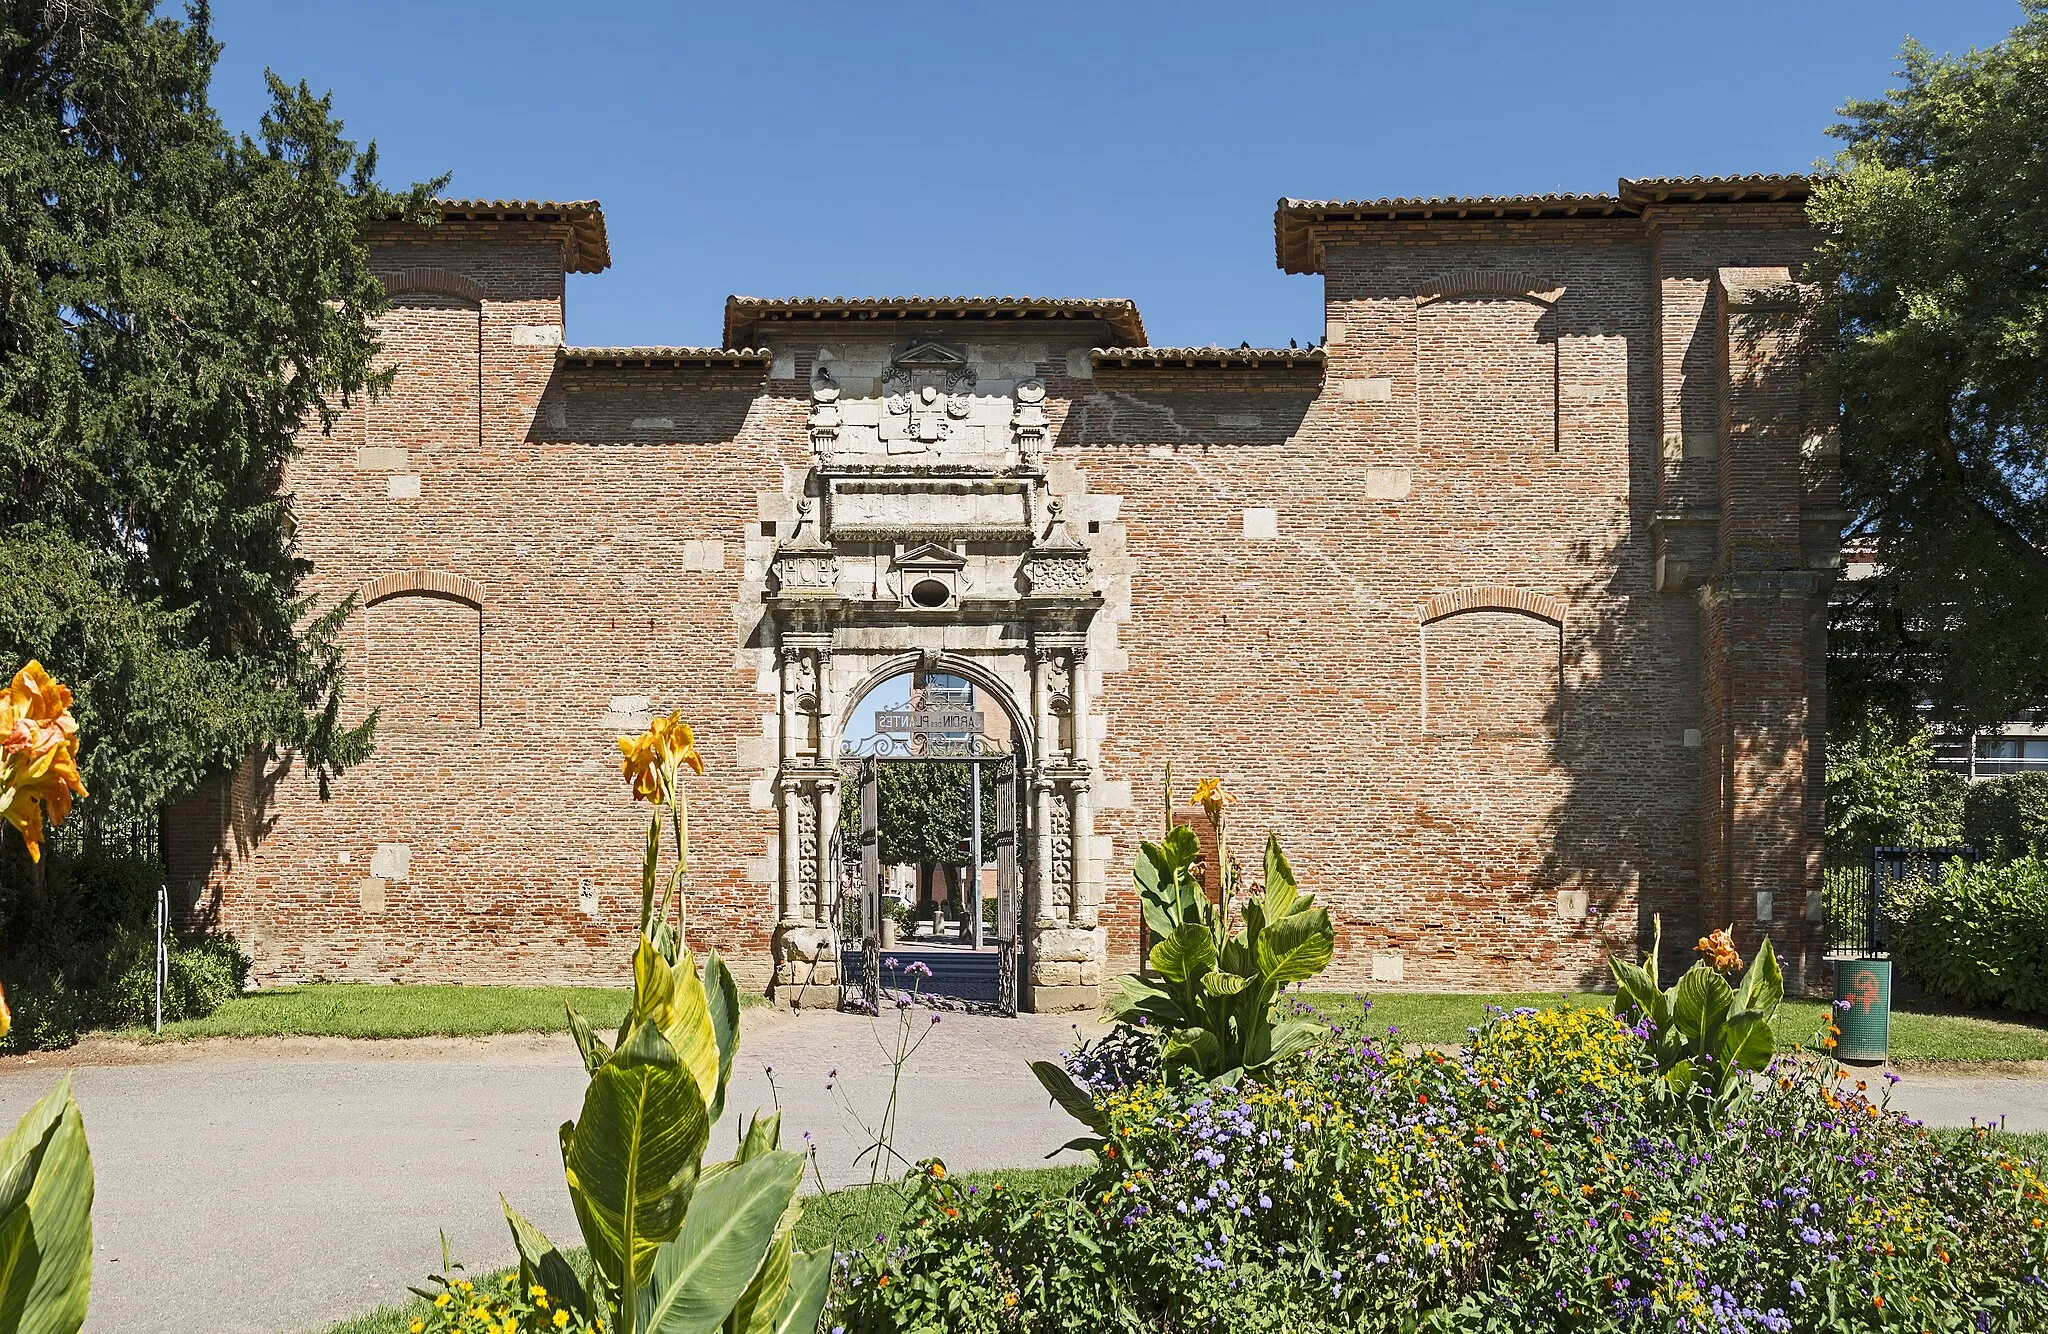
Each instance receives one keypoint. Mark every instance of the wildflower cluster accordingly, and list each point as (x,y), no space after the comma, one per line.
(500,1305)
(1531,1181)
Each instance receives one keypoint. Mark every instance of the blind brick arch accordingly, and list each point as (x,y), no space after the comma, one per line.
(423,649)
(1492,662)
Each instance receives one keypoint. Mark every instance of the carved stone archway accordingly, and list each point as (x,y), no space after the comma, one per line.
(927,536)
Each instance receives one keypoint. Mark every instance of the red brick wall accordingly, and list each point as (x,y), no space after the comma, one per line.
(1530,428)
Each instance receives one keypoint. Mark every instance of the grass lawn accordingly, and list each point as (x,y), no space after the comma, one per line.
(359,1010)
(1917,1034)
(842,1219)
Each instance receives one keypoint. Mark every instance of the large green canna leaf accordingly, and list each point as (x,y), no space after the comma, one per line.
(595,1053)
(1131,998)
(1197,1048)
(810,1278)
(722,995)
(1702,999)
(46,1225)
(1289,1038)
(1297,947)
(673,998)
(540,1262)
(764,1133)
(1747,1042)
(1071,1097)
(1762,985)
(634,1157)
(1224,984)
(703,1271)
(1283,895)
(1185,955)
(755,1311)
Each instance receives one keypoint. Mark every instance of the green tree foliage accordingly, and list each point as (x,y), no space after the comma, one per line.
(2006,817)
(1884,791)
(176,303)
(923,811)
(1934,227)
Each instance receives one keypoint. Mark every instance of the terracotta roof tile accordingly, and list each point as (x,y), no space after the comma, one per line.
(743,313)
(1294,220)
(699,357)
(1229,357)
(590,251)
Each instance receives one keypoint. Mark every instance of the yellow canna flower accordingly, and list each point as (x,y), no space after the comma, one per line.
(38,754)
(650,760)
(6,1019)
(1211,797)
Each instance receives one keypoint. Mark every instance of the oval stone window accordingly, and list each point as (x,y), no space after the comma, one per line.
(930,593)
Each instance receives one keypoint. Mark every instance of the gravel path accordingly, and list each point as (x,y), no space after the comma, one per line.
(276,1186)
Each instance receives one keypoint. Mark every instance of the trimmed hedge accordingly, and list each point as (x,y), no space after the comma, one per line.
(2006,817)
(1979,936)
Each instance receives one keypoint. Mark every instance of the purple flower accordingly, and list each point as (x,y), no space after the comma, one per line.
(917,968)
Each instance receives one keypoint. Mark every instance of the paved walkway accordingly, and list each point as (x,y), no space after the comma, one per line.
(274,1187)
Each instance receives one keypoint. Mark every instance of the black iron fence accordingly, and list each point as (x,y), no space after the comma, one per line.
(1858,897)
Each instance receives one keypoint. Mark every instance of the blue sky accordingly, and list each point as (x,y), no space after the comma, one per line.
(1095,149)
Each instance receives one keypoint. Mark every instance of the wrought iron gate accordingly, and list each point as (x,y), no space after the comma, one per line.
(857,920)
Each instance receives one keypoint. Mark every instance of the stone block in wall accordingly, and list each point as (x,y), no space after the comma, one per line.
(1388,483)
(382,458)
(1572,904)
(392,861)
(1261,523)
(370,893)
(1371,389)
(1388,968)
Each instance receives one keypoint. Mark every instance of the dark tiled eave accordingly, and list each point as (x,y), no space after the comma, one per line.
(1296,221)
(744,314)
(747,361)
(589,251)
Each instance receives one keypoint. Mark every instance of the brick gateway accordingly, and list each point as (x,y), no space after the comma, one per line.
(1504,605)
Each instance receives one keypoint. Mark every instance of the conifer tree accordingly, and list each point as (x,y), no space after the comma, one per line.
(176,303)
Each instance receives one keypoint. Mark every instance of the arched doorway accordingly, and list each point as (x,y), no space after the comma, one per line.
(929,853)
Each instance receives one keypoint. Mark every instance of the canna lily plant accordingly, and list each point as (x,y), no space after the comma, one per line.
(1704,1035)
(680,1247)
(1216,990)
(45,1167)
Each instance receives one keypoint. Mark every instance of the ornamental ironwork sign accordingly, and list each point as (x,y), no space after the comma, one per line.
(936,733)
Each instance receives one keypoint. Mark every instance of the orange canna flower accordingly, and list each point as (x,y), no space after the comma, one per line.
(38,754)
(649,761)
(6,1019)
(1211,797)
(1719,950)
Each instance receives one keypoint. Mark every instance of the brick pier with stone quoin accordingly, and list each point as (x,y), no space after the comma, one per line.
(1503,605)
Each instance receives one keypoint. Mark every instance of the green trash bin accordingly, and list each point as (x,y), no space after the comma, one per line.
(1866,1019)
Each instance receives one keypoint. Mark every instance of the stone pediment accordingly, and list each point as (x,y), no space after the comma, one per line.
(931,556)
(928,355)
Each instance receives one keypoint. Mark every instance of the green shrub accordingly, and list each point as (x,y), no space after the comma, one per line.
(2005,817)
(80,954)
(1978,937)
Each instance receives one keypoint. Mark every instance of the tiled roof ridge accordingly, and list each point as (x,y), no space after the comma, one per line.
(590,248)
(1120,313)
(1247,356)
(1292,218)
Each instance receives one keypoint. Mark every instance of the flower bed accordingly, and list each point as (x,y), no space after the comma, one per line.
(1540,1179)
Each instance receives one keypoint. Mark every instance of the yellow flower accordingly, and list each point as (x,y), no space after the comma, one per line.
(38,754)
(650,760)
(1719,949)
(6,1019)
(441,1300)
(561,1318)
(418,1325)
(1211,797)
